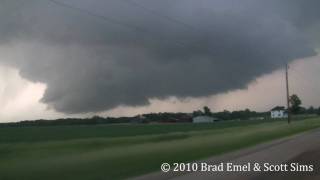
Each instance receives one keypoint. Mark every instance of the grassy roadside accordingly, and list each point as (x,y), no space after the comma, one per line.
(58,133)
(118,157)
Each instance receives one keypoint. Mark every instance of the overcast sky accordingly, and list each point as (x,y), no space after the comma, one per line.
(127,57)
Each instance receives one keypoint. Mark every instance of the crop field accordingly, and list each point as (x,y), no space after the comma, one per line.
(122,151)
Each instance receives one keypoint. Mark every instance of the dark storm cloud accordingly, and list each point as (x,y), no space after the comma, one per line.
(165,48)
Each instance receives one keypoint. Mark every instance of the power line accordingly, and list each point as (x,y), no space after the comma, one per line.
(105,18)
(154,12)
(137,28)
(168,18)
(111,20)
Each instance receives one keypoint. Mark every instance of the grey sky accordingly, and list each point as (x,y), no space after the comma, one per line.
(184,49)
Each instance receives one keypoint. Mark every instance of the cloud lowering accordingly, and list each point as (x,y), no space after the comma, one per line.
(97,55)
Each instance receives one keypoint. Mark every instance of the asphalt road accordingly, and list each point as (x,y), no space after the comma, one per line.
(308,157)
(302,149)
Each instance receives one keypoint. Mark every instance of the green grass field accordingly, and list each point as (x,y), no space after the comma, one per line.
(121,151)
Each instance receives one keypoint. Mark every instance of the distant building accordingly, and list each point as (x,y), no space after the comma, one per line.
(279,112)
(257,118)
(204,119)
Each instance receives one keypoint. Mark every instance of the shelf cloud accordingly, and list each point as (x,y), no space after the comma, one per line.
(98,55)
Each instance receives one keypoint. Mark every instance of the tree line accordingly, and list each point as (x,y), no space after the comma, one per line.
(167,117)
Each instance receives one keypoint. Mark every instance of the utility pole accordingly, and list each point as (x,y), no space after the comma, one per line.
(288,95)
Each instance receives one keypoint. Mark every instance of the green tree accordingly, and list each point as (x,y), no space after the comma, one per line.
(318,111)
(311,110)
(295,103)
(197,113)
(207,111)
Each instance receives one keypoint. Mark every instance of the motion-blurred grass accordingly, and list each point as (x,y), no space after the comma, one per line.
(121,151)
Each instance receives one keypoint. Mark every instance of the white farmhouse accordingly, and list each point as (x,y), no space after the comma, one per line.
(279,112)
(204,119)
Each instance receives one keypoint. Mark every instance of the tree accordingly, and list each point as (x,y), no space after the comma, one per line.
(311,110)
(224,115)
(197,113)
(207,111)
(295,103)
(318,111)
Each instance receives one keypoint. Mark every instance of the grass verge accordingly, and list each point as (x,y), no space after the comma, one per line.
(117,157)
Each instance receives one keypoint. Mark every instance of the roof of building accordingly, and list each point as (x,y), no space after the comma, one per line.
(278,108)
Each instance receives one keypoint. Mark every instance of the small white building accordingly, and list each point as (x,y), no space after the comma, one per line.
(204,119)
(279,112)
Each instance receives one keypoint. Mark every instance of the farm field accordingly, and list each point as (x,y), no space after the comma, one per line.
(122,151)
